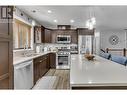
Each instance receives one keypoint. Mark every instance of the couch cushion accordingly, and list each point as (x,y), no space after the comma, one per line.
(105,55)
(119,59)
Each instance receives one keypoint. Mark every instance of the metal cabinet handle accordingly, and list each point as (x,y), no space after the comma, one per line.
(43,60)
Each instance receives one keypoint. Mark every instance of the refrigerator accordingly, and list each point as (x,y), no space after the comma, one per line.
(85,44)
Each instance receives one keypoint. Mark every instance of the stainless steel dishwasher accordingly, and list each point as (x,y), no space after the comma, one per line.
(23,75)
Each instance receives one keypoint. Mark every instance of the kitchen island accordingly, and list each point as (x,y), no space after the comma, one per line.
(97,74)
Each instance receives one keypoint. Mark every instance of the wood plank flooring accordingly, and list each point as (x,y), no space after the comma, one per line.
(64,78)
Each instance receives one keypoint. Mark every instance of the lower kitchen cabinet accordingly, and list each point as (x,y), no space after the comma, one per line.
(41,66)
(48,61)
(36,71)
(53,60)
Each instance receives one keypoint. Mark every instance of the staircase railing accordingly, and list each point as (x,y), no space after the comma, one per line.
(121,50)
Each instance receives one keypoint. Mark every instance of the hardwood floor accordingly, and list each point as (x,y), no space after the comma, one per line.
(64,78)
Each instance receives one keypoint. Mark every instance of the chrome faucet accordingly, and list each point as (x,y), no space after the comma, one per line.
(26,50)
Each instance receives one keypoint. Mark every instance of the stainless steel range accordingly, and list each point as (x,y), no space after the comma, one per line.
(63,59)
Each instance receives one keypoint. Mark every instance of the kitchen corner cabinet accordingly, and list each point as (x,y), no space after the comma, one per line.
(53,60)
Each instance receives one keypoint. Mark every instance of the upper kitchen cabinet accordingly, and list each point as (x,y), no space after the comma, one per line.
(39,34)
(42,34)
(85,31)
(74,37)
(47,36)
(21,35)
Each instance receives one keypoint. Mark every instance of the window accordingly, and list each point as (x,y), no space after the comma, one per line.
(21,35)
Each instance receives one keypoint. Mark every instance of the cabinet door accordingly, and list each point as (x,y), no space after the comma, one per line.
(85,31)
(74,37)
(48,61)
(37,34)
(6,49)
(52,60)
(43,67)
(47,36)
(36,71)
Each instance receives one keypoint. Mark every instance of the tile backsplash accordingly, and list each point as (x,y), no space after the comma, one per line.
(54,46)
(45,47)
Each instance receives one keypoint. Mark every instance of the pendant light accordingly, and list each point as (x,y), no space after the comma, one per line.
(91,22)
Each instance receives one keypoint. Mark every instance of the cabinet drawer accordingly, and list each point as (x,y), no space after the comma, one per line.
(39,59)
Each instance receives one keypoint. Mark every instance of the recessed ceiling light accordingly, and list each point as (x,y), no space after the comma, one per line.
(49,11)
(34,11)
(55,21)
(72,21)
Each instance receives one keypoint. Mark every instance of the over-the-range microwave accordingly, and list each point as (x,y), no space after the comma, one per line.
(63,39)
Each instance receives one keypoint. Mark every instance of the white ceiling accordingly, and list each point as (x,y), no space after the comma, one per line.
(107,17)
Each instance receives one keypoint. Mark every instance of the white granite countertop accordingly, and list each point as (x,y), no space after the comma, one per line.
(19,59)
(101,72)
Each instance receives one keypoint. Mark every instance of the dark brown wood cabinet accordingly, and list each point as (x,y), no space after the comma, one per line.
(53,60)
(6,49)
(41,66)
(42,35)
(47,36)
(44,65)
(39,34)
(36,70)
(48,61)
(74,37)
(85,31)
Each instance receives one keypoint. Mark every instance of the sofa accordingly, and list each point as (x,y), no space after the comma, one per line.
(119,59)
